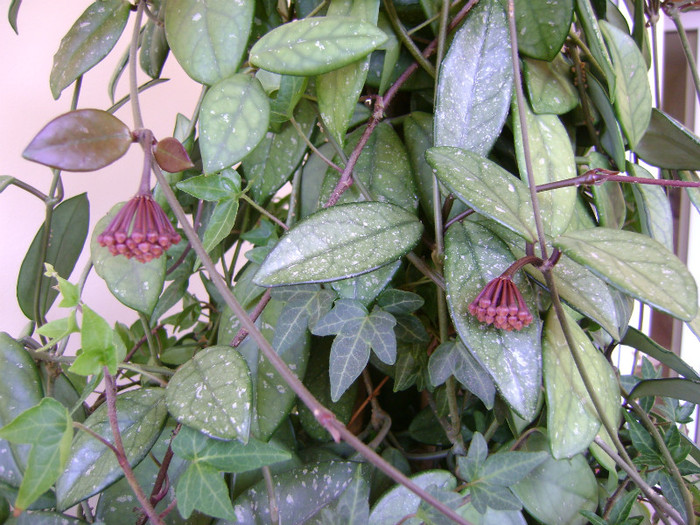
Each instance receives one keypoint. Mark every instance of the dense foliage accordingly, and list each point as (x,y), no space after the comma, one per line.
(421,228)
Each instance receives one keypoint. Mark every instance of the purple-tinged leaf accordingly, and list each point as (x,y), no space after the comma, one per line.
(171,155)
(81,140)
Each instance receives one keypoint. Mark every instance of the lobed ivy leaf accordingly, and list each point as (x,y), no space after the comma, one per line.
(314,46)
(476,81)
(100,346)
(67,233)
(637,265)
(202,487)
(212,393)
(208,38)
(399,302)
(365,287)
(220,186)
(48,427)
(339,242)
(135,284)
(542,27)
(91,467)
(474,256)
(232,121)
(87,42)
(304,306)
(469,466)
(669,144)
(486,187)
(573,421)
(632,99)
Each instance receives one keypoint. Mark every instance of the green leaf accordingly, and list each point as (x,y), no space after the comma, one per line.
(314,46)
(233,120)
(632,100)
(227,456)
(338,91)
(212,393)
(90,39)
(469,466)
(202,487)
(542,27)
(637,265)
(399,502)
(100,346)
(58,329)
(553,156)
(304,305)
(339,242)
(217,187)
(475,82)
(289,93)
(653,207)
(365,287)
(486,187)
(418,136)
(208,38)
(676,388)
(557,490)
(135,284)
(644,343)
(587,19)
(357,332)
(508,468)
(549,85)
(154,45)
(611,138)
(267,173)
(91,466)
(70,294)
(12,14)
(672,493)
(301,494)
(49,429)
(485,496)
(572,419)
(399,302)
(44,518)
(353,506)
(474,256)
(69,225)
(669,144)
(220,223)
(80,140)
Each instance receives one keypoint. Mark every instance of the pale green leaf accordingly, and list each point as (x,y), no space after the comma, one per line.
(549,85)
(217,187)
(220,223)
(653,207)
(587,19)
(669,144)
(202,487)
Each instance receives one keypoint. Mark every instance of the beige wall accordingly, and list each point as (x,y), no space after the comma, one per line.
(26,105)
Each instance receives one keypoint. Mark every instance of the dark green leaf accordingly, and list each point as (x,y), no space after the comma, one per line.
(669,144)
(653,206)
(474,256)
(90,39)
(672,493)
(418,135)
(91,466)
(353,506)
(202,487)
(67,233)
(470,465)
(399,301)
(587,19)
(542,27)
(611,138)
(289,93)
(475,83)
(135,284)
(549,85)
(644,343)
(154,45)
(217,187)
(365,287)
(572,419)
(212,393)
(313,46)
(44,518)
(507,468)
(632,100)
(676,388)
(233,120)
(486,187)
(335,243)
(637,265)
(12,14)
(208,38)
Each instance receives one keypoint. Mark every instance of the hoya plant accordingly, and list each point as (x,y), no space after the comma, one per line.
(421,229)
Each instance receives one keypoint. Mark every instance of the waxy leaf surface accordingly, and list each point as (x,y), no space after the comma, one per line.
(549,85)
(542,27)
(668,144)
(339,242)
(476,81)
(208,38)
(313,46)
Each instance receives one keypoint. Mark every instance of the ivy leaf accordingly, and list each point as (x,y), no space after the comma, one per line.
(69,226)
(365,287)
(637,265)
(353,505)
(202,487)
(90,39)
(469,466)
(100,346)
(208,38)
(233,120)
(475,82)
(212,393)
(669,144)
(304,305)
(357,332)
(473,257)
(573,421)
(632,100)
(314,46)
(226,456)
(542,28)
(135,284)
(339,242)
(48,427)
(399,302)
(486,187)
(91,466)
(220,186)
